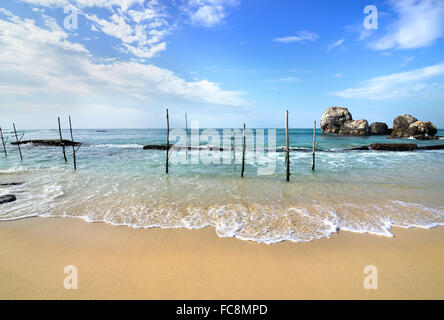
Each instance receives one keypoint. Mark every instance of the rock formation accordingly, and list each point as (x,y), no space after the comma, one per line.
(422,128)
(401,126)
(339,121)
(406,126)
(354,128)
(334,118)
(379,129)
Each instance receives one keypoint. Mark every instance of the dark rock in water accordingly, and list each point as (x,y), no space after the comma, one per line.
(419,137)
(396,147)
(401,126)
(363,148)
(379,129)
(156,147)
(11,184)
(7,198)
(333,119)
(437,147)
(164,147)
(50,143)
(354,128)
(422,128)
(393,146)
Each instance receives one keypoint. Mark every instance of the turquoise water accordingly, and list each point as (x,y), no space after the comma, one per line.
(118,182)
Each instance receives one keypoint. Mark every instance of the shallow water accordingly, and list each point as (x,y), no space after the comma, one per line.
(120,183)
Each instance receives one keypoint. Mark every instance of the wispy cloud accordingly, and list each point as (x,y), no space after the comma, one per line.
(407,60)
(419,24)
(209,13)
(299,37)
(335,44)
(395,86)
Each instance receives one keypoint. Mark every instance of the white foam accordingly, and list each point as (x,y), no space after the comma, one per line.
(118,146)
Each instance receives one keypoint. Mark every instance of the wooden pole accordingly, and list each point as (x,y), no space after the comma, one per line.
(168,140)
(234,146)
(18,142)
(3,141)
(186,130)
(243,153)
(314,147)
(73,148)
(287,149)
(61,140)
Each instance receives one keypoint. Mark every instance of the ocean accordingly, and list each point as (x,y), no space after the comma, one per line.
(119,183)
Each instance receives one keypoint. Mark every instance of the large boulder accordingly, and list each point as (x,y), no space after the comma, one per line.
(354,128)
(379,129)
(401,126)
(333,119)
(422,128)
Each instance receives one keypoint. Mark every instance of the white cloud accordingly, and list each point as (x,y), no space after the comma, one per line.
(299,37)
(209,13)
(122,4)
(40,67)
(420,23)
(335,44)
(395,86)
(140,25)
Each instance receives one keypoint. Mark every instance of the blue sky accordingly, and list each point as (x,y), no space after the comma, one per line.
(224,62)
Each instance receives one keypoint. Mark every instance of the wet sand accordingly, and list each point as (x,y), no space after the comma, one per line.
(125,263)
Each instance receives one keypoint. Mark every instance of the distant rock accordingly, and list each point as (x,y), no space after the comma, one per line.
(393,146)
(354,128)
(396,147)
(422,128)
(435,147)
(8,184)
(333,119)
(7,198)
(49,143)
(401,126)
(379,129)
(420,137)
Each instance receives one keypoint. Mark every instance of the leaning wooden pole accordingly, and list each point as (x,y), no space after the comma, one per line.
(168,141)
(287,149)
(73,148)
(3,142)
(61,140)
(243,153)
(18,142)
(314,147)
(186,130)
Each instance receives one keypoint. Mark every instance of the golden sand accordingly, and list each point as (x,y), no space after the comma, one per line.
(124,263)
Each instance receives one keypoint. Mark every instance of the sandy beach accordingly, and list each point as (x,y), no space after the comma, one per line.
(125,263)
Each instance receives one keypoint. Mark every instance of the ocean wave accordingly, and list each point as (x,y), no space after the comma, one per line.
(253,222)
